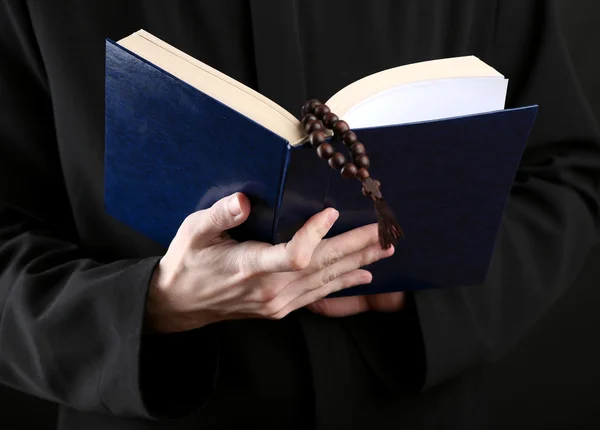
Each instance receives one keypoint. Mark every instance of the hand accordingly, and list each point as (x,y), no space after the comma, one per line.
(205,276)
(352,305)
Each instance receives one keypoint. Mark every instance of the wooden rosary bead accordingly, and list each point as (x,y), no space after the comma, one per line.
(318,120)
(303,110)
(321,110)
(349,138)
(329,119)
(362,160)
(349,171)
(325,151)
(309,117)
(310,106)
(340,127)
(362,174)
(317,138)
(357,149)
(314,125)
(337,161)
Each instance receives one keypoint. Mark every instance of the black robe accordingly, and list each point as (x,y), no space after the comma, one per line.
(73,281)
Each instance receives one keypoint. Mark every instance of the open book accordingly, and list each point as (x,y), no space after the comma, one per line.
(180,135)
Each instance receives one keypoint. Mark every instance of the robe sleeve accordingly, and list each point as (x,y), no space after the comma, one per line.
(71,327)
(550,224)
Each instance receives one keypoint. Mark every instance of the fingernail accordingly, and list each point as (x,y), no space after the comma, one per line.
(234,206)
(389,251)
(333,216)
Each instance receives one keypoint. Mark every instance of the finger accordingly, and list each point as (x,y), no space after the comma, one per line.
(318,279)
(386,302)
(334,249)
(340,306)
(347,280)
(226,213)
(297,253)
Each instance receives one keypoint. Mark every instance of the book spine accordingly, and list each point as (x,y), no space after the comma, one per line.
(282,182)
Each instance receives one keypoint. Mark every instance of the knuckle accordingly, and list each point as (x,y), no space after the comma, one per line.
(321,230)
(367,257)
(363,260)
(332,256)
(215,215)
(271,309)
(298,260)
(235,275)
(248,267)
(266,295)
(327,276)
(191,224)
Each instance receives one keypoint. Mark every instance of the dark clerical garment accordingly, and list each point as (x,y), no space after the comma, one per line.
(73,281)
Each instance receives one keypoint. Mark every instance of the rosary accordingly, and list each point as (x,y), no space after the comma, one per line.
(316,119)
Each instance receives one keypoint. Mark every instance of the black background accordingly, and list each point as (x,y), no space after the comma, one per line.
(551,380)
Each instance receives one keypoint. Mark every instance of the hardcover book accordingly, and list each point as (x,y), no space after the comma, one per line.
(180,135)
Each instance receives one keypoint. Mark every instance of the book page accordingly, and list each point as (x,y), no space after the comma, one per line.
(429,100)
(415,92)
(215,84)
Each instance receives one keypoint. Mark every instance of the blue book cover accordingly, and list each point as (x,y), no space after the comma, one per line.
(170,150)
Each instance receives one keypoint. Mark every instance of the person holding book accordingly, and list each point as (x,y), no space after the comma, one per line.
(210,333)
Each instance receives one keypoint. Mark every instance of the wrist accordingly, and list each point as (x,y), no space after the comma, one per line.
(163,314)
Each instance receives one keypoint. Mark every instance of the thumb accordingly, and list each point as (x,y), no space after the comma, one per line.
(225,214)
